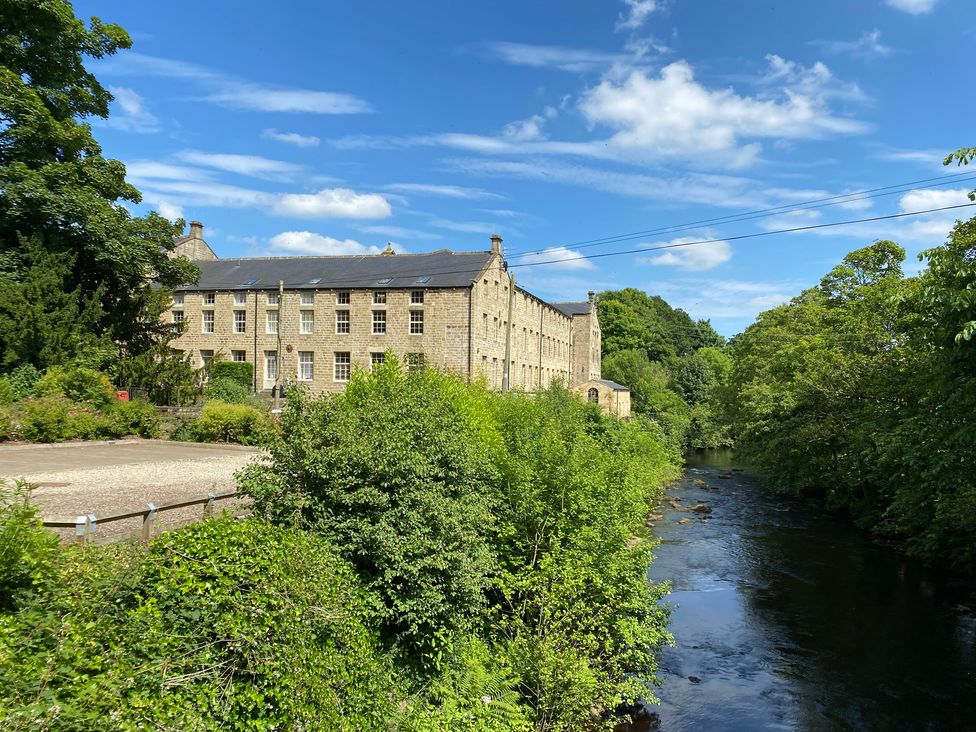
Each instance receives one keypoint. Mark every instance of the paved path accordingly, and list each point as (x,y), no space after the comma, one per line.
(107,478)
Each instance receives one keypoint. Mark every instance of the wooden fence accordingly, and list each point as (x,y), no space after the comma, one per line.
(86,526)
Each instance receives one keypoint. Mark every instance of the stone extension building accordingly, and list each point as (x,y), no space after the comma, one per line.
(315,319)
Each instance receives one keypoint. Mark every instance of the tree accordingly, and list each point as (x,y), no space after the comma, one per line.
(57,189)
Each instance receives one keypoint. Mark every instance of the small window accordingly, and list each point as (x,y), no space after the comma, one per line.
(308,298)
(416,297)
(274,298)
(377,358)
(306,365)
(238,356)
(342,367)
(308,321)
(208,321)
(240,321)
(416,322)
(379,322)
(271,322)
(177,316)
(178,298)
(248,283)
(379,297)
(384,281)
(593,396)
(240,298)
(209,298)
(342,321)
(206,356)
(415,361)
(342,298)
(423,280)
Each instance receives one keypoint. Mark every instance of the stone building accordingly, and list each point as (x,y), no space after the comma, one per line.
(315,319)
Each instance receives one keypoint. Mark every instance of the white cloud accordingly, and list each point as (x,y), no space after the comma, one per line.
(169,210)
(932,198)
(553,258)
(529,129)
(130,113)
(443,191)
(932,157)
(689,256)
(467,227)
(869,44)
(723,298)
(333,203)
(576,60)
(505,213)
(145,170)
(914,7)
(673,115)
(399,232)
(307,242)
(291,138)
(206,193)
(228,91)
(250,165)
(638,11)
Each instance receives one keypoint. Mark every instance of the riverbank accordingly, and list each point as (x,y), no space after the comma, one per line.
(787,617)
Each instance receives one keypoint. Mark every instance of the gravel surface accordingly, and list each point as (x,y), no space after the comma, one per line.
(113,479)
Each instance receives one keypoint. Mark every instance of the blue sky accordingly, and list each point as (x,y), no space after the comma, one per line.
(328,128)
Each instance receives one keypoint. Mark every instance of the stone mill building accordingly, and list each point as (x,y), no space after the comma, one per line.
(314,319)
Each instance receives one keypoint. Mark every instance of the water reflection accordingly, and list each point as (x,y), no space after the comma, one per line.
(790,619)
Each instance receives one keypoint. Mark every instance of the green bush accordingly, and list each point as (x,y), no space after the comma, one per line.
(23,380)
(135,418)
(239,371)
(226,389)
(6,391)
(46,419)
(223,422)
(27,549)
(6,424)
(57,419)
(78,384)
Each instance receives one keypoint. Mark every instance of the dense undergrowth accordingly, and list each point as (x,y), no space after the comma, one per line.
(425,555)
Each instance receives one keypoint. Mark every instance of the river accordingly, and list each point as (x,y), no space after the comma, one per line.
(785,617)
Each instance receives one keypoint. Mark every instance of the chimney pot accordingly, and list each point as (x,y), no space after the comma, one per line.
(196,230)
(496,244)
(591,295)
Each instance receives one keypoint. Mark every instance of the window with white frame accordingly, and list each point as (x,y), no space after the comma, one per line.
(308,298)
(177,316)
(416,297)
(379,322)
(377,358)
(274,298)
(240,321)
(415,361)
(270,365)
(209,298)
(416,322)
(306,365)
(307,321)
(342,366)
(240,298)
(208,321)
(178,298)
(379,297)
(342,297)
(271,321)
(342,321)
(206,356)
(239,356)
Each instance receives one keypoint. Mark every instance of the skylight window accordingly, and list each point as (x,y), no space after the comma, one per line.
(423,280)
(315,281)
(250,282)
(384,281)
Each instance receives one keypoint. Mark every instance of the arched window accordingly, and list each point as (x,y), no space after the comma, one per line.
(593,396)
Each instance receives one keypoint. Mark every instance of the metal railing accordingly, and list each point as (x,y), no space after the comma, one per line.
(86,526)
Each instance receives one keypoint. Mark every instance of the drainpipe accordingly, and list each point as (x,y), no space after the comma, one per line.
(470,329)
(255,352)
(507,371)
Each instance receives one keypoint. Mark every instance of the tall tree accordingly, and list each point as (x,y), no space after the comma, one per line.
(57,189)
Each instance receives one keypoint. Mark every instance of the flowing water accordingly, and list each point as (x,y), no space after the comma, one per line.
(787,618)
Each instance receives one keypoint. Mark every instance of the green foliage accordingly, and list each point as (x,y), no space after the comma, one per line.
(60,199)
(78,384)
(166,375)
(57,419)
(135,417)
(224,422)
(28,551)
(238,371)
(863,389)
(228,390)
(397,471)
(6,391)
(23,381)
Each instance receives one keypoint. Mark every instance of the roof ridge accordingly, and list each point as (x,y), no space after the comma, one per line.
(347,256)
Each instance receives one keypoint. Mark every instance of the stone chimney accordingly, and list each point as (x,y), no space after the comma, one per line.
(388,252)
(193,247)
(496,244)
(196,230)
(591,296)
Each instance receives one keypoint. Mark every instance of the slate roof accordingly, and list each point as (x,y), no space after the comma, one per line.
(612,384)
(572,308)
(439,269)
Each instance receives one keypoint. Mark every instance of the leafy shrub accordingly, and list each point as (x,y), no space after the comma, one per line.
(239,371)
(223,422)
(6,391)
(229,390)
(79,384)
(23,380)
(135,418)
(56,419)
(46,419)
(27,549)
(6,424)
(166,375)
